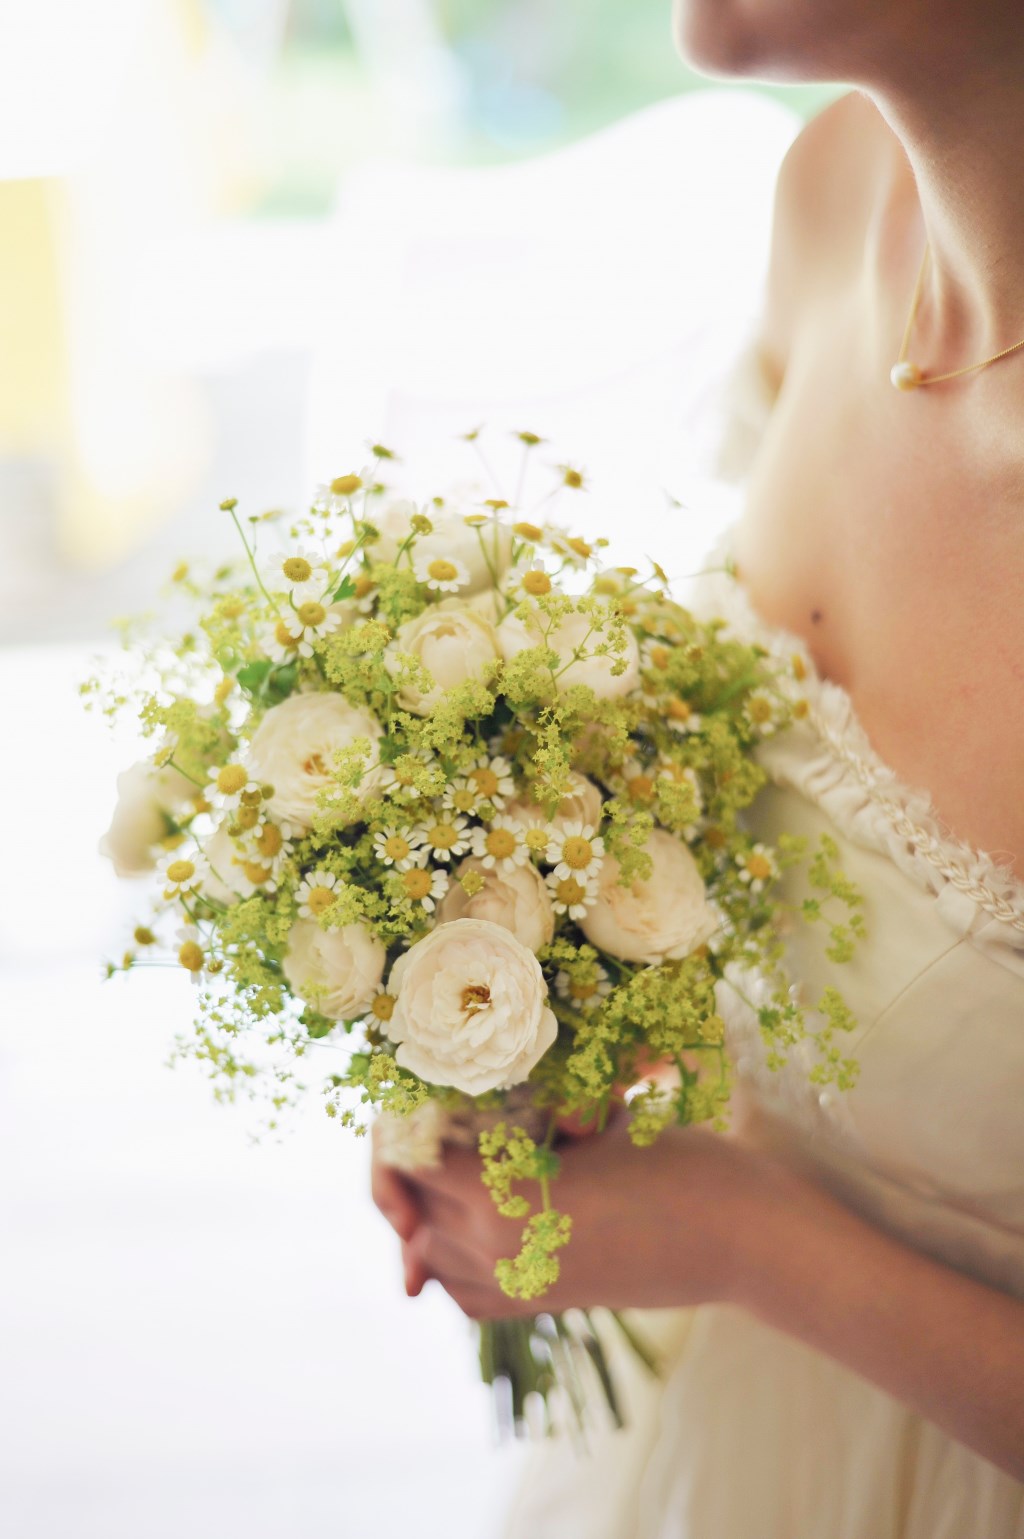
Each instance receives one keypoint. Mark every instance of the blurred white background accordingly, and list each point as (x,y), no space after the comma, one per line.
(240,238)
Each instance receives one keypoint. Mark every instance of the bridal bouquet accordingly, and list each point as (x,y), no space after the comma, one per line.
(447,817)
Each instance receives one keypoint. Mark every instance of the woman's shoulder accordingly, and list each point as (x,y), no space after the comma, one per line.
(827,188)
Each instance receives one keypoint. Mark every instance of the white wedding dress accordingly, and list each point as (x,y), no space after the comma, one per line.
(750,1434)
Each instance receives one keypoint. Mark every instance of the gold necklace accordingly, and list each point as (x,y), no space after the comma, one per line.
(905,375)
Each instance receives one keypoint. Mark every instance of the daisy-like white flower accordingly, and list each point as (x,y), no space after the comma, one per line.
(680,715)
(425,887)
(638,781)
(443,574)
(571,895)
(501,844)
(304,575)
(231,787)
(182,874)
(491,778)
(336,496)
(757,867)
(444,837)
(530,582)
(396,780)
(584,994)
(760,711)
(656,655)
(396,847)
(574,551)
(461,796)
(284,640)
(382,1008)
(312,620)
(315,893)
(191,954)
(576,851)
(269,844)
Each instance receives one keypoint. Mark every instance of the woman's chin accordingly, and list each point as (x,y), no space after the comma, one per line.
(727,39)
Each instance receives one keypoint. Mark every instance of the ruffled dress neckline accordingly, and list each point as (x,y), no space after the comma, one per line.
(828,757)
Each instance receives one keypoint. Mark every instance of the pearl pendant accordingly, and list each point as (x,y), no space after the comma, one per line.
(905,376)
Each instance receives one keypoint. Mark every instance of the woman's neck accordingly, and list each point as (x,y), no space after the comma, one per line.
(964,145)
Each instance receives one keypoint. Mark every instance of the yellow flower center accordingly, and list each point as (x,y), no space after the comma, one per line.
(475,996)
(660,657)
(759,868)
(441,570)
(232,608)
(284,637)
(537,583)
(231,779)
(144,936)
(344,486)
(536,839)
(577,853)
(570,892)
(760,709)
(463,800)
(443,836)
(312,613)
(251,798)
(714,838)
(319,900)
(396,847)
(801,709)
(362,585)
(485,780)
(641,788)
(180,871)
(799,667)
(248,817)
(528,531)
(605,585)
(191,957)
(223,690)
(256,873)
(573,479)
(297,569)
(679,710)
(270,841)
(416,884)
(501,843)
(582,990)
(383,1007)
(580,547)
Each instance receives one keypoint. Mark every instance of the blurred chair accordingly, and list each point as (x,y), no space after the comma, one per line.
(599,296)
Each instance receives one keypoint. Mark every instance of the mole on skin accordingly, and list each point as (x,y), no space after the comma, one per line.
(816,616)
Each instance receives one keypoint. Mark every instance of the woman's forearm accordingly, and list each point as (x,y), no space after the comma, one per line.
(949,1347)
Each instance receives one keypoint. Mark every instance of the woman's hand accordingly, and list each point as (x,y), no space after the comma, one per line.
(650,1227)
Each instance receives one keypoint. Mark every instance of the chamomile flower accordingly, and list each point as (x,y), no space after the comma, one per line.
(442,574)
(382,1008)
(191,955)
(398,780)
(760,711)
(284,640)
(182,875)
(680,715)
(491,778)
(444,837)
(570,895)
(574,551)
(230,787)
(315,893)
(304,574)
(336,496)
(584,993)
(576,851)
(757,867)
(269,844)
(395,847)
(638,781)
(501,844)
(529,582)
(425,887)
(655,656)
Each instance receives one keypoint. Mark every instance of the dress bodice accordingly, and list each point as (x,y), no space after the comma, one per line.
(930,1141)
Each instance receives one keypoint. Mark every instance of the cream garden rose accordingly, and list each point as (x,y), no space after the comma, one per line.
(515,897)
(452,642)
(574,633)
(293,750)
(338,971)
(146,797)
(667,915)
(582,803)
(471,1009)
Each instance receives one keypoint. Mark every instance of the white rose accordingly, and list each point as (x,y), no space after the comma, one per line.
(582,803)
(485,550)
(452,642)
(339,971)
(516,898)
(668,915)
(293,750)
(146,796)
(393,523)
(471,1008)
(515,635)
(413,1141)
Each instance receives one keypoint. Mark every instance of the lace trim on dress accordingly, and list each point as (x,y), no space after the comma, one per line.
(861,794)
